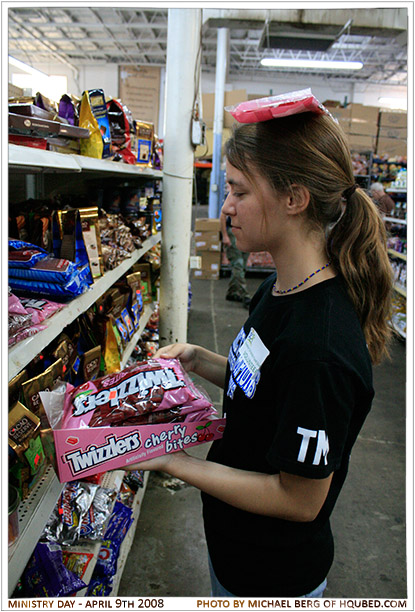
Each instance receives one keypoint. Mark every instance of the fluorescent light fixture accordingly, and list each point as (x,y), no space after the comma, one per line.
(25,67)
(274,62)
(396,103)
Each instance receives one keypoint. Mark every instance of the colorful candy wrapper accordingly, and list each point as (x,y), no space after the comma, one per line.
(64,525)
(46,575)
(96,518)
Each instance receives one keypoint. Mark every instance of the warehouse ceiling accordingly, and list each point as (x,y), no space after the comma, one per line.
(78,36)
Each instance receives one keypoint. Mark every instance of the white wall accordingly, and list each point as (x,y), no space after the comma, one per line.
(100,76)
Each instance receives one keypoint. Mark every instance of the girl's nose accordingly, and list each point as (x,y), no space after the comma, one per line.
(228,208)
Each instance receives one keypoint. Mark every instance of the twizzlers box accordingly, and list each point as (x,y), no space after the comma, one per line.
(149,409)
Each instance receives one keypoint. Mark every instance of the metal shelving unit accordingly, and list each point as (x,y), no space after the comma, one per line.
(35,510)
(23,352)
(129,538)
(33,513)
(27,158)
(144,318)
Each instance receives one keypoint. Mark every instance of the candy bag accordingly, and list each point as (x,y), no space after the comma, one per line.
(64,525)
(272,107)
(95,520)
(150,386)
(46,575)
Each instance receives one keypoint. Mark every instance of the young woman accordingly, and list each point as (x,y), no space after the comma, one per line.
(298,379)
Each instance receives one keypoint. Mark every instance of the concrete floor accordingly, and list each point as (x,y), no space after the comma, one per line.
(168,556)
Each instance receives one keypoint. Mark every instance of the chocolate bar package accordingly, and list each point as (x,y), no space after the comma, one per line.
(43,128)
(146,290)
(122,127)
(145,137)
(68,240)
(68,109)
(30,391)
(32,126)
(30,110)
(24,438)
(92,239)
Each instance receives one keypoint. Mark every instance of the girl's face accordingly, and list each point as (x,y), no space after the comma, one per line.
(255,212)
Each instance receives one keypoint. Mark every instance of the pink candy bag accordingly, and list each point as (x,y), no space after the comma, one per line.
(271,107)
(154,391)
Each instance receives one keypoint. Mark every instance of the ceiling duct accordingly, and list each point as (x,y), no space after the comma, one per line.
(299,37)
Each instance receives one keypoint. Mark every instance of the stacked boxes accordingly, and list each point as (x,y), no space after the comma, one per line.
(363,127)
(369,128)
(208,247)
(360,123)
(392,133)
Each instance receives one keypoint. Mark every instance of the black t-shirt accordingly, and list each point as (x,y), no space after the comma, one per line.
(300,413)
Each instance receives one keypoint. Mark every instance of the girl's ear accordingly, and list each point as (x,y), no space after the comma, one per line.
(298,200)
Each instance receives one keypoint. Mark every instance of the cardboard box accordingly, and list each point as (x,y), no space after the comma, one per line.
(210,261)
(207,241)
(87,451)
(360,143)
(231,98)
(207,235)
(363,127)
(206,224)
(83,450)
(391,146)
(205,275)
(393,132)
(344,124)
(357,119)
(208,245)
(14,91)
(365,113)
(341,113)
(393,119)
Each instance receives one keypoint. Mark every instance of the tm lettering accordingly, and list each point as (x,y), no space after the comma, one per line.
(321,445)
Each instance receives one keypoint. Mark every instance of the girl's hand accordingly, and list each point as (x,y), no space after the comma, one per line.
(186,353)
(158,464)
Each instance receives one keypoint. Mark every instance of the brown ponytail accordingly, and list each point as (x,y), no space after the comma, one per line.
(311,150)
(357,245)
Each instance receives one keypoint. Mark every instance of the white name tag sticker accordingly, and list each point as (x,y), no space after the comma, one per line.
(253,351)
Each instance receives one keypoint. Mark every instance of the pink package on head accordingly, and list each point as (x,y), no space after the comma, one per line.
(272,107)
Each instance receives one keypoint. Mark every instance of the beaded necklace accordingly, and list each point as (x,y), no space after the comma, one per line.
(281,292)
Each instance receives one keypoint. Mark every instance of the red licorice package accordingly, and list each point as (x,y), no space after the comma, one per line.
(272,107)
(154,391)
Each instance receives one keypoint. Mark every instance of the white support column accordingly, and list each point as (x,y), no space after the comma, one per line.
(221,70)
(182,45)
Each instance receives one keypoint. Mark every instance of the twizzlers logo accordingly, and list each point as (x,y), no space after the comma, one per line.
(140,383)
(80,461)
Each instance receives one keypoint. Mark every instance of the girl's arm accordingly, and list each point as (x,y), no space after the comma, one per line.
(283,495)
(201,361)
